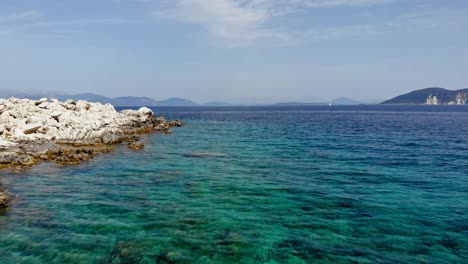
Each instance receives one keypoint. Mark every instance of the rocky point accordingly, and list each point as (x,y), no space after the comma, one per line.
(32,131)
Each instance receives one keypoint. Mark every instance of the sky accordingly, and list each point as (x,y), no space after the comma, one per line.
(242,51)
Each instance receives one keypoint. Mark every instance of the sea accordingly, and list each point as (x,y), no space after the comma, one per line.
(316,184)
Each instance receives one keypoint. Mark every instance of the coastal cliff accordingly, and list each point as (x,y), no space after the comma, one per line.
(33,131)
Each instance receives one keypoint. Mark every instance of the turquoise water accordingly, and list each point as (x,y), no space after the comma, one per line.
(255,186)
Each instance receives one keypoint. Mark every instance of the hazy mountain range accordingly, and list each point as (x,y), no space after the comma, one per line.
(415,97)
(145,101)
(118,101)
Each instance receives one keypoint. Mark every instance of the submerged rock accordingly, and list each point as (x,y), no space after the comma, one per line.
(4,198)
(136,145)
(126,252)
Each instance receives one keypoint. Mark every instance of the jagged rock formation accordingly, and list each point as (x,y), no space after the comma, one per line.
(68,132)
(432,96)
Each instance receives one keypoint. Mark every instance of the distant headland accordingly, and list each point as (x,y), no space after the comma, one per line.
(432,96)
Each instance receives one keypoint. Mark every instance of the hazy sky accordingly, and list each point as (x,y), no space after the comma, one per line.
(234,50)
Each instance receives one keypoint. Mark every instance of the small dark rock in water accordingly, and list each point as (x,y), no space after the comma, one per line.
(4,198)
(136,145)
(175,123)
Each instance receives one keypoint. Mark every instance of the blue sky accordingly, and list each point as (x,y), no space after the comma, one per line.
(253,51)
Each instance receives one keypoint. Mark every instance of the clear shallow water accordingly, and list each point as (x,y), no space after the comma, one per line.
(243,185)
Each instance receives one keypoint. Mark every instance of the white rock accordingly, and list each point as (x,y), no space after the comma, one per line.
(29,120)
(145,111)
(6,144)
(40,101)
(43,105)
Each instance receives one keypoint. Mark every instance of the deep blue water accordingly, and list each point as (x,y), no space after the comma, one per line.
(365,184)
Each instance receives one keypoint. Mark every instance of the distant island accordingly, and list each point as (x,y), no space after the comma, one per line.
(337,101)
(298,104)
(432,96)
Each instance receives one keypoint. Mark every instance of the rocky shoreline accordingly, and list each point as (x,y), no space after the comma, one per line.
(67,133)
